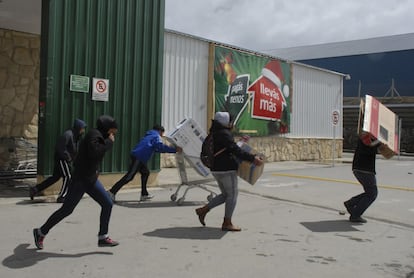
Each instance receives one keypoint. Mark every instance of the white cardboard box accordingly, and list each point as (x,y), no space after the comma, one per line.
(190,137)
(380,122)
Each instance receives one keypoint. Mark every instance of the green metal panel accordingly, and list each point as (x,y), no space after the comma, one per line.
(118,40)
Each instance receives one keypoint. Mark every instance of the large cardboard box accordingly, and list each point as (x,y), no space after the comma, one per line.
(247,170)
(380,122)
(190,137)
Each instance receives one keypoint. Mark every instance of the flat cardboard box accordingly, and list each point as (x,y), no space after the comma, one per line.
(380,122)
(247,170)
(190,137)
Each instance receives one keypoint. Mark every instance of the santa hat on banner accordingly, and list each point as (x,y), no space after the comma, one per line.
(273,72)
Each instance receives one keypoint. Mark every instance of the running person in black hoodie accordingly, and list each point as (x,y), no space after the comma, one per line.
(66,149)
(85,180)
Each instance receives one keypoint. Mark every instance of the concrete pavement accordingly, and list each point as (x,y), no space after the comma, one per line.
(290,221)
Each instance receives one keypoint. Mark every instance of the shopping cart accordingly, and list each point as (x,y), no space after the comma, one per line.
(202,183)
(190,136)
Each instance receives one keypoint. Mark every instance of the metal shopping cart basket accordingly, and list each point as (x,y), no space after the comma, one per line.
(202,183)
(189,136)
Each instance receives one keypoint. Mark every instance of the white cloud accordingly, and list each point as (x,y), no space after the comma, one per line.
(262,24)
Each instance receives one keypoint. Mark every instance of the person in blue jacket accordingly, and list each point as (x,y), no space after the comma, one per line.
(66,149)
(140,155)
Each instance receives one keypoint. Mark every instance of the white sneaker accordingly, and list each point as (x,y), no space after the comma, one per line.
(146,197)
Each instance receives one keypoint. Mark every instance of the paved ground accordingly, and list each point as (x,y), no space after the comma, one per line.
(290,220)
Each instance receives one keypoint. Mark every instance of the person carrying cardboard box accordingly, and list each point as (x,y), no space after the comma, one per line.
(224,170)
(363,167)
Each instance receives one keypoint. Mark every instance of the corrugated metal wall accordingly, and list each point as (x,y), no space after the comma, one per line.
(185,80)
(316,94)
(119,40)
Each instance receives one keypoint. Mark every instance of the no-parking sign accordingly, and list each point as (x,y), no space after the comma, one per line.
(100,90)
(335,117)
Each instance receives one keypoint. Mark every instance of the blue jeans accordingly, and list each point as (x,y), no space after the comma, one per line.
(359,203)
(75,193)
(227,182)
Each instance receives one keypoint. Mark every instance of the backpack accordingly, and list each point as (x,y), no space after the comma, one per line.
(207,151)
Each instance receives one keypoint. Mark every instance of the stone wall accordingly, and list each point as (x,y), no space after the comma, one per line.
(284,149)
(19,94)
(19,84)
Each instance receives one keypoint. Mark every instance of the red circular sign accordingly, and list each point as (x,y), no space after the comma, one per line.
(100,86)
(335,117)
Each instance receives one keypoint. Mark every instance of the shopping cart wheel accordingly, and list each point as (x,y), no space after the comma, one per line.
(180,201)
(210,197)
(173,197)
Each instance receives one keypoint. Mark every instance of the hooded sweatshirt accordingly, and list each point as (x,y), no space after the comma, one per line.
(67,144)
(92,150)
(149,144)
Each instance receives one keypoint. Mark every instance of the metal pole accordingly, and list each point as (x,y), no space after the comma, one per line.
(399,137)
(333,148)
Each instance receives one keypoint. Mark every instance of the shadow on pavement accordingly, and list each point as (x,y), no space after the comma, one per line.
(152,204)
(330,226)
(188,233)
(37,201)
(15,187)
(26,257)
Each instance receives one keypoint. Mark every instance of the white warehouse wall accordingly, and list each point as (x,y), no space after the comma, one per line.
(316,94)
(185,80)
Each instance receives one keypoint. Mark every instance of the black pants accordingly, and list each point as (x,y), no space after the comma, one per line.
(60,170)
(134,167)
(361,202)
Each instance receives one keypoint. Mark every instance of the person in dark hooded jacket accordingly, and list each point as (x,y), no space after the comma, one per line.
(85,180)
(66,149)
(224,170)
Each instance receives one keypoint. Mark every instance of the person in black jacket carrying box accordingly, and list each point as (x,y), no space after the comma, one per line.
(224,170)
(363,167)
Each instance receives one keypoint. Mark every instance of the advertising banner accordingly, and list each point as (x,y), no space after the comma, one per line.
(255,90)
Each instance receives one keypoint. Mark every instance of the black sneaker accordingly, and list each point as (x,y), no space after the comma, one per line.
(348,207)
(38,239)
(32,192)
(60,199)
(358,219)
(107,242)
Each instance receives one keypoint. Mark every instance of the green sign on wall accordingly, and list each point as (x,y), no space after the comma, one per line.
(79,83)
